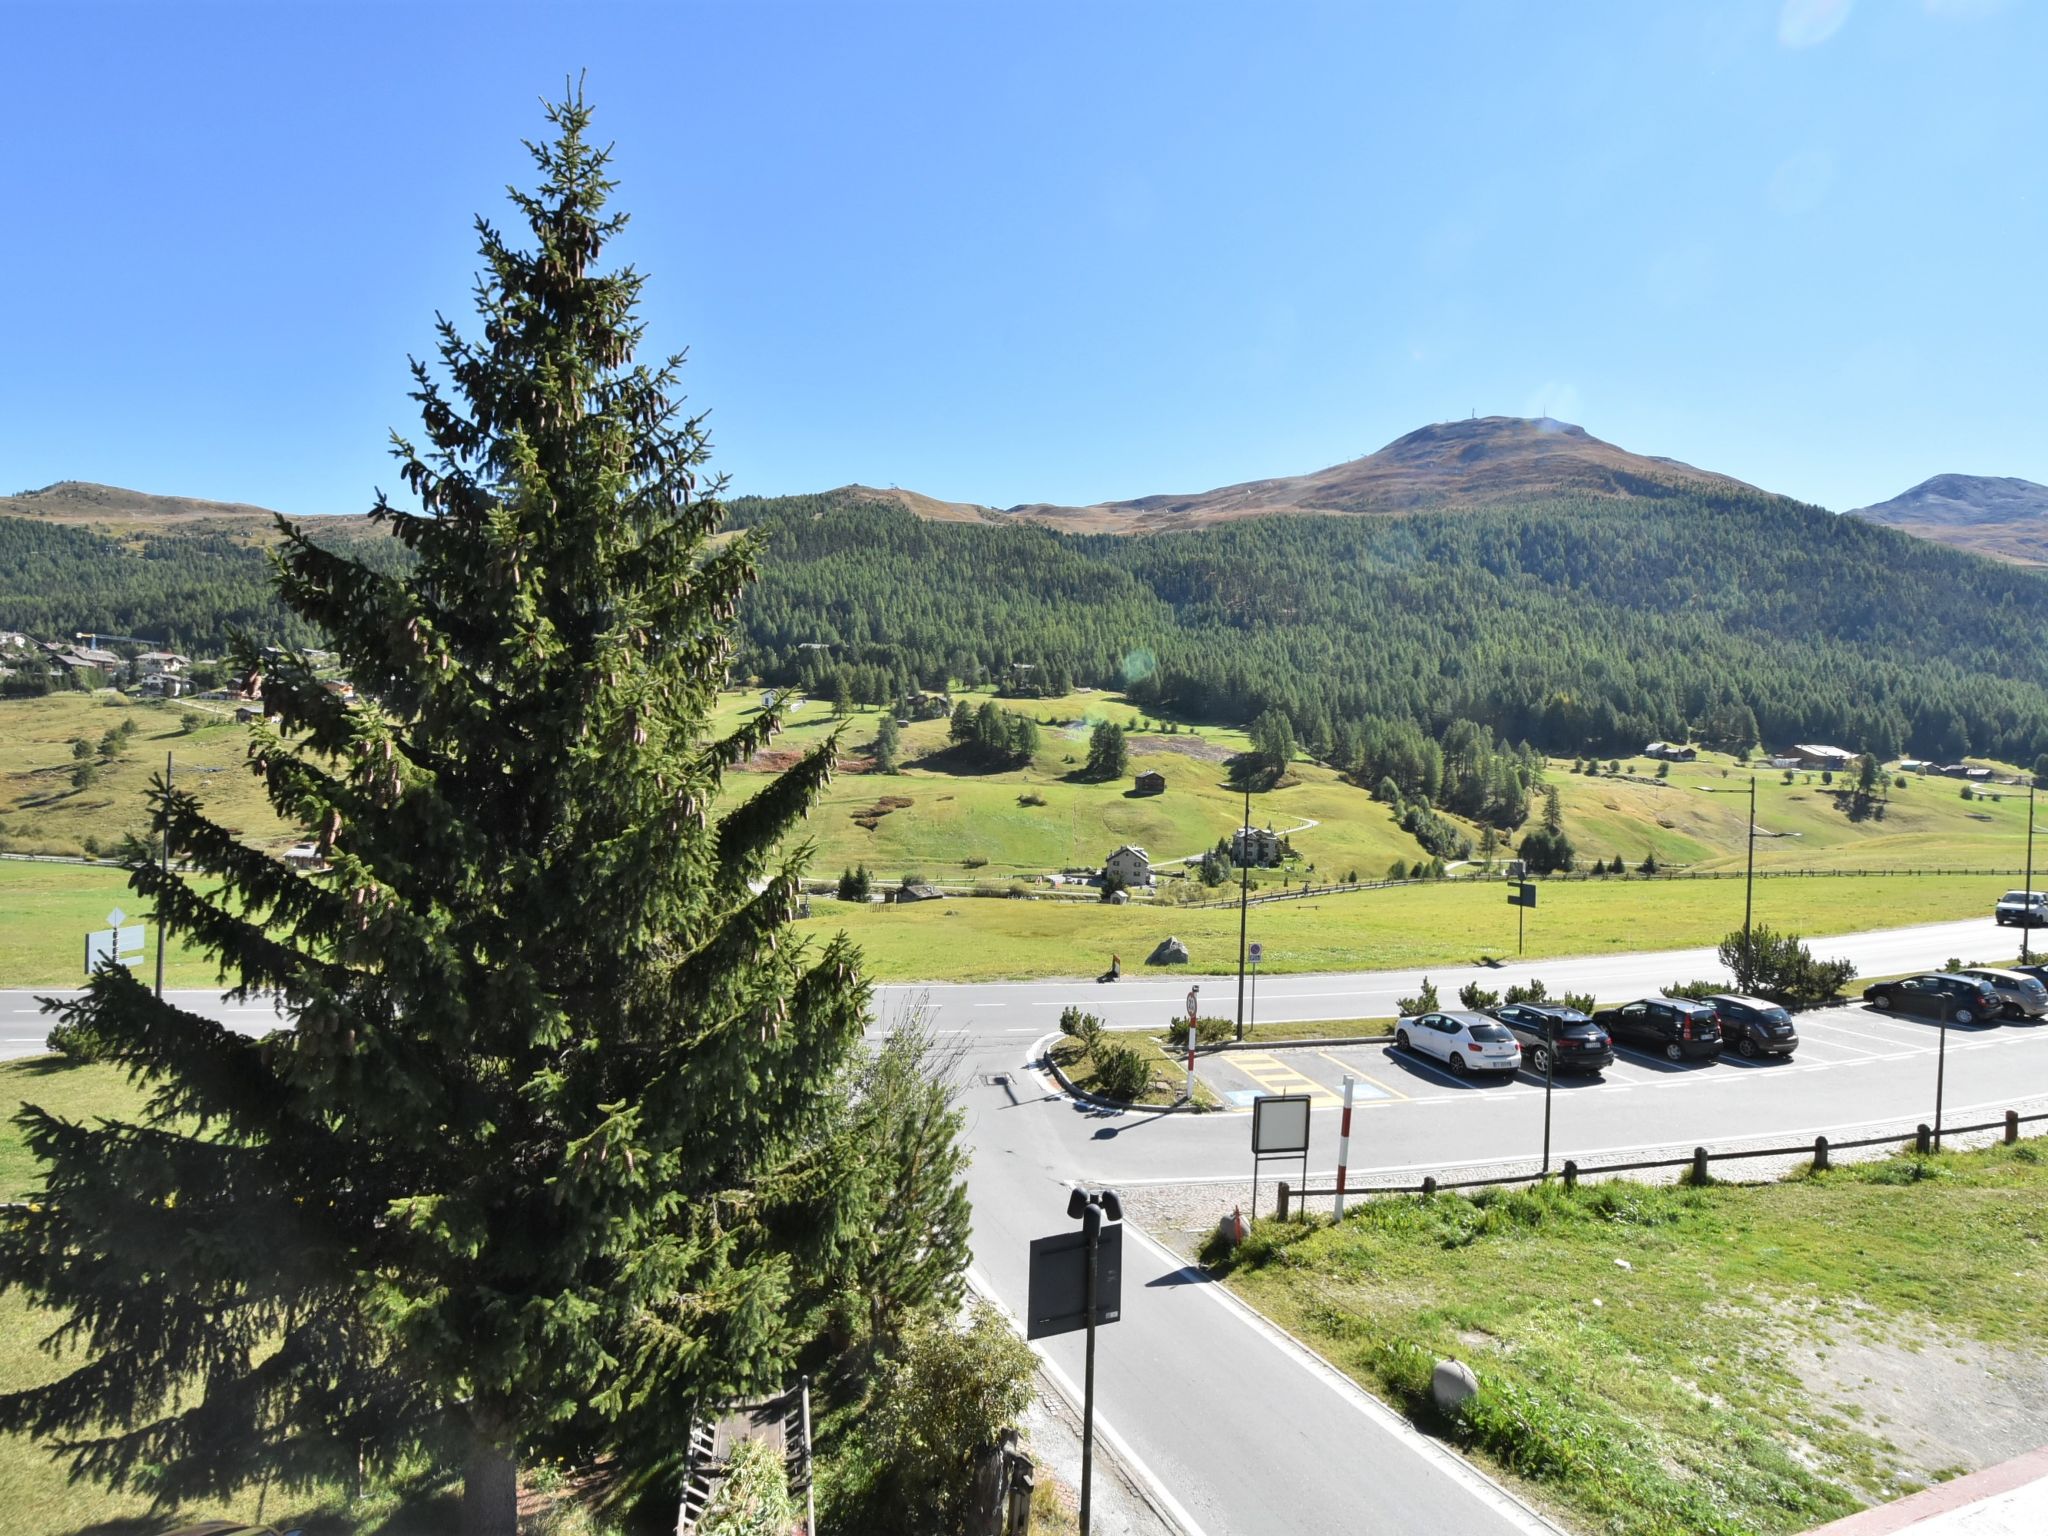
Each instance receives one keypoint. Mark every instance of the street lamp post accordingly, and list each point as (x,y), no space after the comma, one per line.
(2027,913)
(1549,1077)
(1747,974)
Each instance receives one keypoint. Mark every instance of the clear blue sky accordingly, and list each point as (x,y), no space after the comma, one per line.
(1008,252)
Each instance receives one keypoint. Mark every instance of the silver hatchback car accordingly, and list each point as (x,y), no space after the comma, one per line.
(2020,996)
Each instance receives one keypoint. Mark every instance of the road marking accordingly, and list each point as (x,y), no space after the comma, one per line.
(991,1005)
(1275,1076)
(1381,1091)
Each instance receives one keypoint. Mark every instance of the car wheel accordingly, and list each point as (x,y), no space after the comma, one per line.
(1539,1062)
(1672,1052)
(1964,1016)
(1881,1001)
(1746,1045)
(1401,1040)
(1457,1066)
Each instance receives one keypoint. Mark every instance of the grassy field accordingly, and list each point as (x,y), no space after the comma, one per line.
(50,906)
(1658,1361)
(40,810)
(48,910)
(1450,922)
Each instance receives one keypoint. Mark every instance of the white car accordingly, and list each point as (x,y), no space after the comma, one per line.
(2022,909)
(1464,1042)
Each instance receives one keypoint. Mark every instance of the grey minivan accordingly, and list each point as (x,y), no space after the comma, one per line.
(2020,996)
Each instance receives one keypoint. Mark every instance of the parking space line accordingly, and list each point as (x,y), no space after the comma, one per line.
(1391,1093)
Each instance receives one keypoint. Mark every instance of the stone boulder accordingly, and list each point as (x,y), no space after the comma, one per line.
(1169,952)
(1452,1384)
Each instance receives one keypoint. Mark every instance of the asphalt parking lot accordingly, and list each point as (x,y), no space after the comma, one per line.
(1830,1039)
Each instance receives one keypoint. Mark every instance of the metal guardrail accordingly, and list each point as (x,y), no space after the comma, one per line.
(1924,1139)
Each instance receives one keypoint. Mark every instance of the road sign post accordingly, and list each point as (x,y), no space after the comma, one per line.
(117,944)
(1191,1044)
(1521,896)
(1077,1282)
(1279,1129)
(1258,952)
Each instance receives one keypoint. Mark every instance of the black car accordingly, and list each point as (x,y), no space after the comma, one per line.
(1958,999)
(1755,1027)
(1674,1027)
(1557,1039)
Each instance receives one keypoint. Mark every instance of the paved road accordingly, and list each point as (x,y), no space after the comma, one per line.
(1242,1430)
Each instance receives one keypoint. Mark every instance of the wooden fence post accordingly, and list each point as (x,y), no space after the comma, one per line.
(1571,1174)
(1284,1192)
(2012,1126)
(1923,1139)
(1820,1154)
(1699,1165)
(1428,1186)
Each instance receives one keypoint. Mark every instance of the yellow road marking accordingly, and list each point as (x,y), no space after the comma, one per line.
(1275,1076)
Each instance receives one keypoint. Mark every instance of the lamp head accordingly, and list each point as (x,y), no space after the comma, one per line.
(1112,1207)
(1077,1203)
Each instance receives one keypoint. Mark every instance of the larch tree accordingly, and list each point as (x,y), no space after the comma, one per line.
(524,1177)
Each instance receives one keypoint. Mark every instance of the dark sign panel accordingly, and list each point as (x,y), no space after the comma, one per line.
(1522,896)
(1058,1299)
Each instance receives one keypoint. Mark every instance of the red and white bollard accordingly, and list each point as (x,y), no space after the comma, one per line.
(1344,1145)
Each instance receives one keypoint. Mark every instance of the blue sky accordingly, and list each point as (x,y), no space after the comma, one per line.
(1008,252)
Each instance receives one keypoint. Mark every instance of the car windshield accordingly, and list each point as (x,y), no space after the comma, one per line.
(1490,1032)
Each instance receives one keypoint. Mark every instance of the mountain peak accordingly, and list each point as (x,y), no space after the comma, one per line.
(1478,460)
(1998,515)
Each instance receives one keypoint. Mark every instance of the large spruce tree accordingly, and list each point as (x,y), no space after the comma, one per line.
(527,1173)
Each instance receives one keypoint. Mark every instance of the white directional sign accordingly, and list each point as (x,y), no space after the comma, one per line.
(117,943)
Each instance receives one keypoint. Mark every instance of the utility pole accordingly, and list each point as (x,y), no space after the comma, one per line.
(165,853)
(1749,892)
(1244,897)
(2027,920)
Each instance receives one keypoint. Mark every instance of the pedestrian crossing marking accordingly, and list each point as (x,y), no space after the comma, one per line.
(1275,1076)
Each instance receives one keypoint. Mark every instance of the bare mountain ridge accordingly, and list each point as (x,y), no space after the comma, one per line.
(1452,463)
(116,510)
(1996,515)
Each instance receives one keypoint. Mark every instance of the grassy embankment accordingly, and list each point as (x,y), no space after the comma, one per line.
(1655,1361)
(40,811)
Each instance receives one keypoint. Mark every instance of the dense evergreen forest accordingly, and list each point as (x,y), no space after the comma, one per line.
(1575,624)
(1588,624)
(186,587)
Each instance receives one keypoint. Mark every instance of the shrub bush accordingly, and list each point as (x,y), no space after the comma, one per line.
(1207,1031)
(1121,1071)
(1697,989)
(1780,967)
(1530,991)
(1424,1001)
(1477,998)
(77,1042)
(1582,1001)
